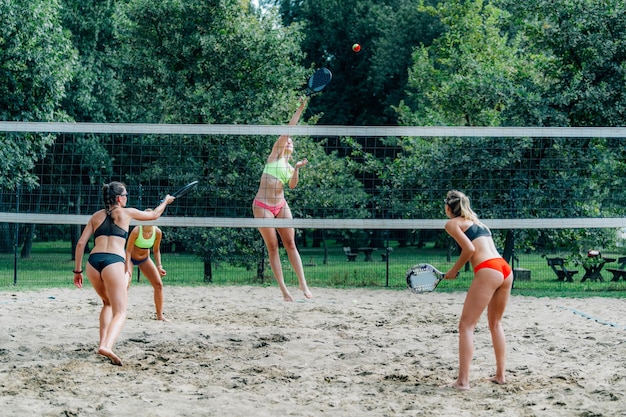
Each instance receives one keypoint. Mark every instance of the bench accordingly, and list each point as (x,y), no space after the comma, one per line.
(562,273)
(619,272)
(521,274)
(351,255)
(367,252)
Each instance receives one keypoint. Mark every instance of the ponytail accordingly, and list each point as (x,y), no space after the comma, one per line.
(110,192)
(460,206)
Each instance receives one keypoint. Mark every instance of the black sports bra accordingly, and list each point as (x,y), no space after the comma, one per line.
(476,231)
(109,228)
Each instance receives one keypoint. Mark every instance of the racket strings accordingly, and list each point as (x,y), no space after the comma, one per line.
(319,80)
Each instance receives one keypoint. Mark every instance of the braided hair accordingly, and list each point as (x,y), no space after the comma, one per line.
(459,205)
(110,192)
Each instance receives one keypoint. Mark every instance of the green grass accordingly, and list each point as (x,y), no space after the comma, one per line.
(50,266)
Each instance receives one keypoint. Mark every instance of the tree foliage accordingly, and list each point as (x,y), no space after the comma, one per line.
(365,84)
(482,72)
(448,62)
(36,59)
(474,74)
(214,62)
(94,89)
(583,41)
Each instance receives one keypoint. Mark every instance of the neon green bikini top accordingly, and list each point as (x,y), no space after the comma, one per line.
(142,242)
(280,170)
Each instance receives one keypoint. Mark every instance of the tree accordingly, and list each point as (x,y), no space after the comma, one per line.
(473,74)
(206,62)
(93,91)
(209,62)
(585,75)
(476,75)
(584,40)
(36,60)
(366,84)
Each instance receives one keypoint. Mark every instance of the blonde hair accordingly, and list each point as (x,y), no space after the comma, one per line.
(460,206)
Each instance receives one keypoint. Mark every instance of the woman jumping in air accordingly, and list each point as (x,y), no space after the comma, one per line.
(270,202)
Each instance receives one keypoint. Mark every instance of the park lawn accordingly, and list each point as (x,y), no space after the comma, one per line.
(50,266)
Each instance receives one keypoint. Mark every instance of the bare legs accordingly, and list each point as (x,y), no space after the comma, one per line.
(271,242)
(111,287)
(289,242)
(287,236)
(488,290)
(494,314)
(150,271)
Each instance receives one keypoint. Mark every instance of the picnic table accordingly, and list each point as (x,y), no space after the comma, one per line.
(367,252)
(593,271)
(559,268)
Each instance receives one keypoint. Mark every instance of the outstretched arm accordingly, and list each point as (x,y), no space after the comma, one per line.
(296,116)
(142,215)
(281,142)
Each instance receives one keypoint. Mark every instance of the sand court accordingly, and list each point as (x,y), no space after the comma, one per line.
(242,351)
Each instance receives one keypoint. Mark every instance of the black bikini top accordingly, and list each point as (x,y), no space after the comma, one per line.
(109,228)
(476,231)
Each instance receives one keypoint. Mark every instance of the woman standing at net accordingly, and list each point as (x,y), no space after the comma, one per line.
(490,288)
(106,266)
(140,241)
(270,202)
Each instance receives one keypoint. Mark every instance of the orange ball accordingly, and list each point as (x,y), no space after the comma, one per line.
(356,47)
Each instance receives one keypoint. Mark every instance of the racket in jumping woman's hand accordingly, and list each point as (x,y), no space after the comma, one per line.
(423,278)
(318,81)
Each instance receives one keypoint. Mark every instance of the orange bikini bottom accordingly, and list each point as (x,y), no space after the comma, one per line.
(499,264)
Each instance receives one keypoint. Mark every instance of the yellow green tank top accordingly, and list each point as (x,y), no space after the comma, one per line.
(279,169)
(144,243)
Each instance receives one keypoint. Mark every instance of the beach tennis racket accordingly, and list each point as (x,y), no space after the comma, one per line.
(318,81)
(184,190)
(423,278)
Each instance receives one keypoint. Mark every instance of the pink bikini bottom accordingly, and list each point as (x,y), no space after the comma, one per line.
(274,209)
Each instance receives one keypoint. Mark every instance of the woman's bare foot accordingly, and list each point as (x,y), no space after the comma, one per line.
(162,318)
(115,360)
(287,297)
(497,380)
(307,292)
(457,385)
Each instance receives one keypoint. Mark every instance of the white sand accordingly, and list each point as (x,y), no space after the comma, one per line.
(242,351)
